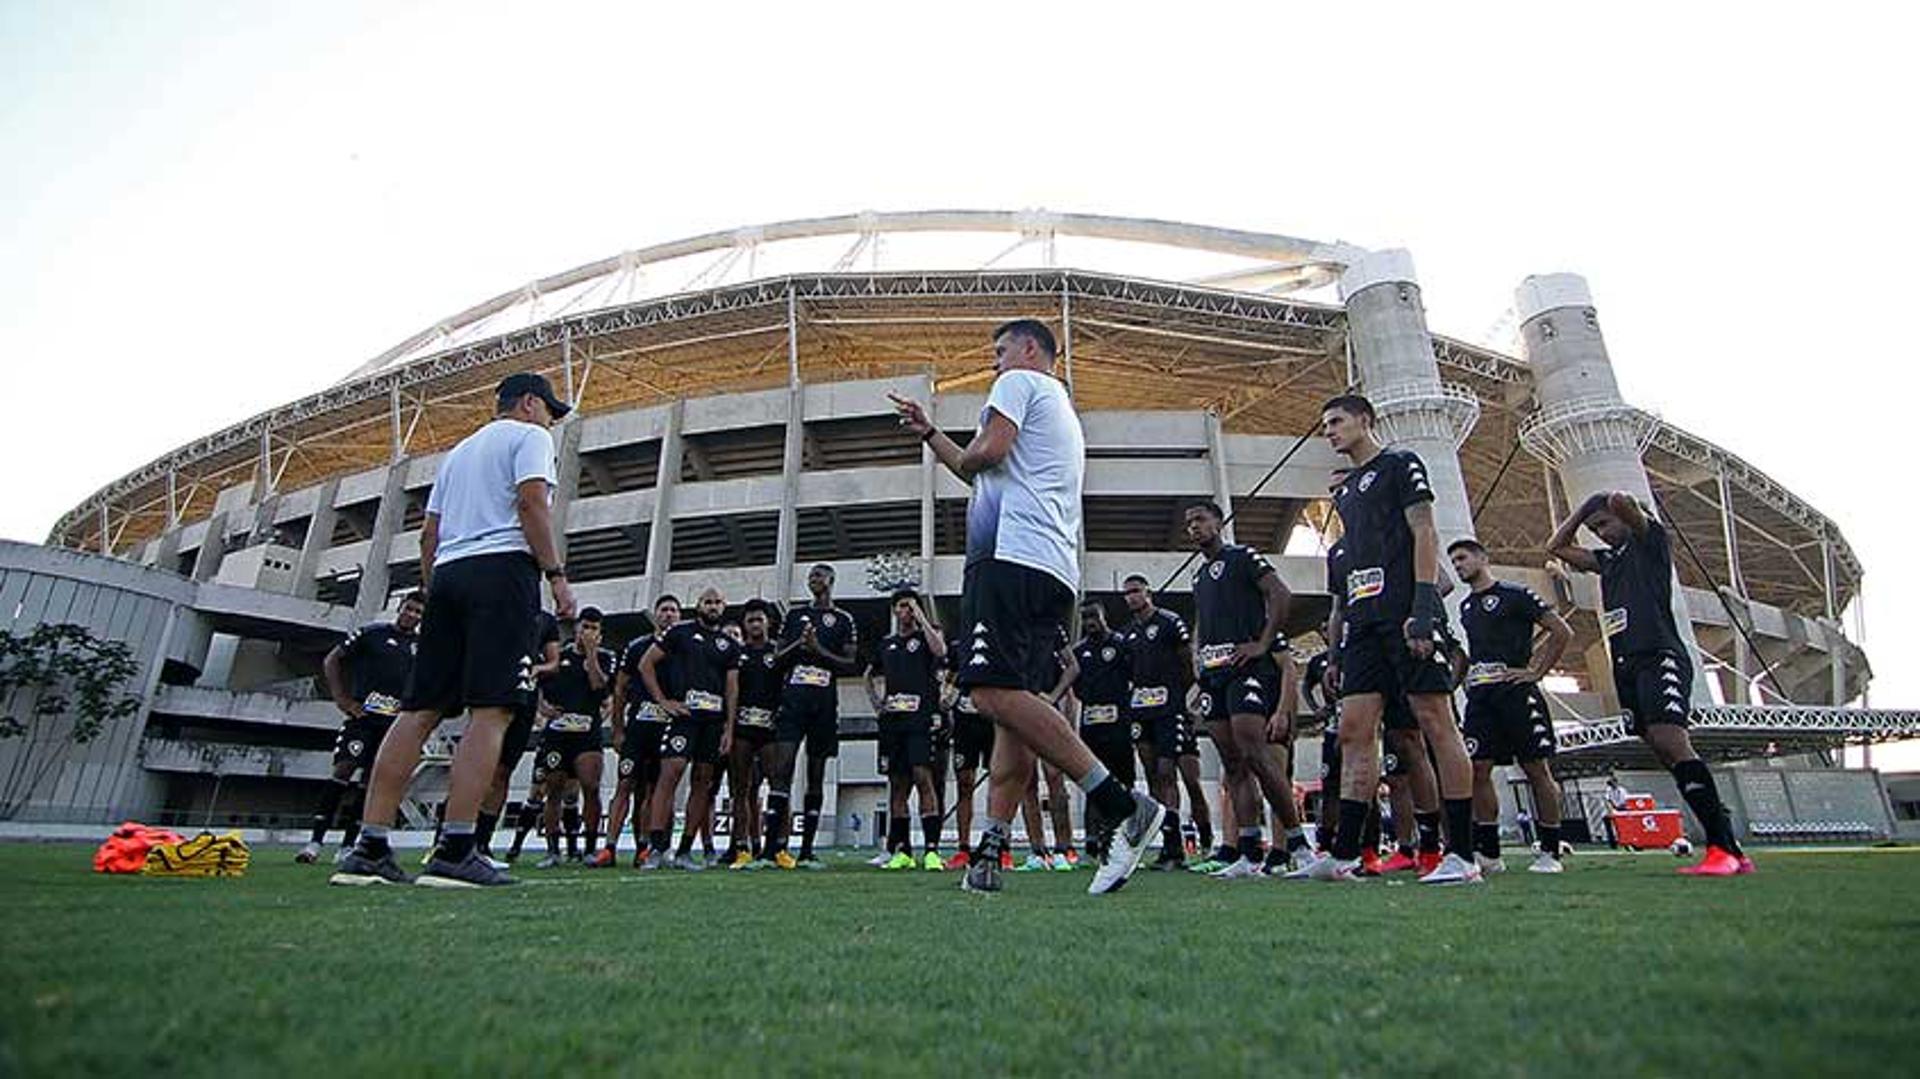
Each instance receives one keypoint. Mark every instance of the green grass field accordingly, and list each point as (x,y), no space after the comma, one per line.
(1615,968)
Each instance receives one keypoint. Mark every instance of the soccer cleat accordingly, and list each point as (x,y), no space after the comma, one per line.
(1427,861)
(1072,858)
(654,860)
(1168,862)
(492,861)
(551,861)
(473,871)
(783,860)
(880,860)
(983,876)
(1035,863)
(960,860)
(1399,863)
(602,859)
(357,870)
(1063,864)
(1453,869)
(1546,863)
(426,856)
(1303,871)
(340,855)
(690,863)
(933,862)
(1717,863)
(1129,844)
(1238,869)
(742,859)
(900,860)
(1331,870)
(1278,862)
(640,858)
(1207,866)
(575,857)
(1746,864)
(308,854)
(1370,863)
(812,862)
(1489,866)
(1006,861)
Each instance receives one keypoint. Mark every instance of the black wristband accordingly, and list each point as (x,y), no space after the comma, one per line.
(555,572)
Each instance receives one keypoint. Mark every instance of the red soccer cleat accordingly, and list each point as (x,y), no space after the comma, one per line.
(1717,863)
(1371,865)
(1073,856)
(959,860)
(1006,861)
(1400,863)
(601,859)
(1746,864)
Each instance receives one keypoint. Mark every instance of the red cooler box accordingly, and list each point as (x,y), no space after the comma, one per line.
(1648,829)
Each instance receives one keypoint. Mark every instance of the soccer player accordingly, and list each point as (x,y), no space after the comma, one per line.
(1507,718)
(753,732)
(487,540)
(1102,672)
(905,697)
(1160,651)
(366,676)
(972,747)
(1652,672)
(577,693)
(639,730)
(1240,606)
(520,737)
(818,642)
(1034,812)
(1027,463)
(1391,615)
(701,696)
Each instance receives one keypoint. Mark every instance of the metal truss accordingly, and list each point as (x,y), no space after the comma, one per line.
(1483,362)
(1846,724)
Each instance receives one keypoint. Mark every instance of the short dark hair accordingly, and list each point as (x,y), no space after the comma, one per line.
(1093,604)
(1352,404)
(1132,577)
(905,593)
(1033,330)
(667,597)
(1469,544)
(416,596)
(821,565)
(591,614)
(1207,504)
(756,606)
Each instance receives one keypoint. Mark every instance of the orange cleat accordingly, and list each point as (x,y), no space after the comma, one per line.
(1006,860)
(959,860)
(1073,856)
(1371,865)
(601,859)
(1717,863)
(1746,864)
(1400,863)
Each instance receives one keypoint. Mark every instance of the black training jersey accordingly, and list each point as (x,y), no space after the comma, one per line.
(912,677)
(698,659)
(378,657)
(1228,608)
(1106,670)
(808,673)
(571,691)
(1337,570)
(759,684)
(1636,587)
(1055,668)
(1372,502)
(1499,624)
(1313,682)
(1154,646)
(637,695)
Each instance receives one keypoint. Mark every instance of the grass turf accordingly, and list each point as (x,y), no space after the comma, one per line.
(1617,967)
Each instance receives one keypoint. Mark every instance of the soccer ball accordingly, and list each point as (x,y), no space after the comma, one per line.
(1681,847)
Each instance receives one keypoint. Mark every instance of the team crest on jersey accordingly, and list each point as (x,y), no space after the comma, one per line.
(1153,632)
(827,620)
(1389,762)
(1366,481)
(1214,571)
(1490,603)
(1473,746)
(553,759)
(723,642)
(1107,654)
(767,659)
(913,644)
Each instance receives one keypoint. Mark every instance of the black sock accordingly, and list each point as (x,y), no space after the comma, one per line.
(809,827)
(1205,825)
(374,846)
(779,817)
(351,832)
(1114,800)
(483,829)
(570,824)
(1486,839)
(529,819)
(896,832)
(1250,844)
(553,844)
(1172,842)
(930,831)
(1346,840)
(1427,827)
(324,812)
(657,840)
(592,839)
(1550,839)
(994,840)
(1296,840)
(455,846)
(686,843)
(1703,797)
(1370,831)
(1459,826)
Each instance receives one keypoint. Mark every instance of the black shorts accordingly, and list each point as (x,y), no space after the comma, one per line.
(695,738)
(812,717)
(1249,690)
(1016,613)
(1330,762)
(477,640)
(359,741)
(560,752)
(513,744)
(1508,722)
(640,751)
(754,738)
(1654,687)
(905,744)
(1397,715)
(1393,762)
(972,741)
(1374,659)
(1112,745)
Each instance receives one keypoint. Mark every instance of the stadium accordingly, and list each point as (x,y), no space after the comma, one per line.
(732,425)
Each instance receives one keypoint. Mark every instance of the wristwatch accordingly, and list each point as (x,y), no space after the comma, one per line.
(554,573)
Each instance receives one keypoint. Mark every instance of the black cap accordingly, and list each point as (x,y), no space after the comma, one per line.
(514,387)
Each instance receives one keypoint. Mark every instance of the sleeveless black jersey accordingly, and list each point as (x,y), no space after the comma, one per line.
(759,684)
(1372,502)
(1636,588)
(912,676)
(570,690)
(1499,624)
(378,659)
(1228,608)
(1106,670)
(698,659)
(810,675)
(1153,645)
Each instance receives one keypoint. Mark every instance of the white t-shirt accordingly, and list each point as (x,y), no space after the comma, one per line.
(1027,509)
(476,492)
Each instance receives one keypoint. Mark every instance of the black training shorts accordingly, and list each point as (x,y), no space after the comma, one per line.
(477,640)
(972,741)
(1250,689)
(1112,746)
(810,717)
(1014,616)
(1654,687)
(561,750)
(695,738)
(513,744)
(1508,722)
(359,741)
(905,744)
(1374,659)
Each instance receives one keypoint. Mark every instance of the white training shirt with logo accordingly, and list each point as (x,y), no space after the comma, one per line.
(1026,510)
(476,492)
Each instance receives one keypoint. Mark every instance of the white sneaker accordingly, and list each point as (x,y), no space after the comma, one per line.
(341,855)
(1303,866)
(1489,866)
(1331,870)
(1546,863)
(309,854)
(551,861)
(1130,841)
(880,860)
(1453,869)
(1241,869)
(496,863)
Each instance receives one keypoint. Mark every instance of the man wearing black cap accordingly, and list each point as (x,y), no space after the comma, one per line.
(487,540)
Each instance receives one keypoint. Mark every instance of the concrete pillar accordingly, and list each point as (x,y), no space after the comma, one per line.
(213,547)
(660,535)
(386,522)
(1222,486)
(166,550)
(567,471)
(792,461)
(1737,583)
(306,584)
(929,526)
(1584,429)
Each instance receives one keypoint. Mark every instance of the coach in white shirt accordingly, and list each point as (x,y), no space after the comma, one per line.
(487,540)
(1026,464)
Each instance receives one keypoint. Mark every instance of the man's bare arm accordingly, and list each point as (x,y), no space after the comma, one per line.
(1562,545)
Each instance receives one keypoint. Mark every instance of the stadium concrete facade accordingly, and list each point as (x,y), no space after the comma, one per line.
(735,428)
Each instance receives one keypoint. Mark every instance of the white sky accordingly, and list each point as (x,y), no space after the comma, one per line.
(209,208)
